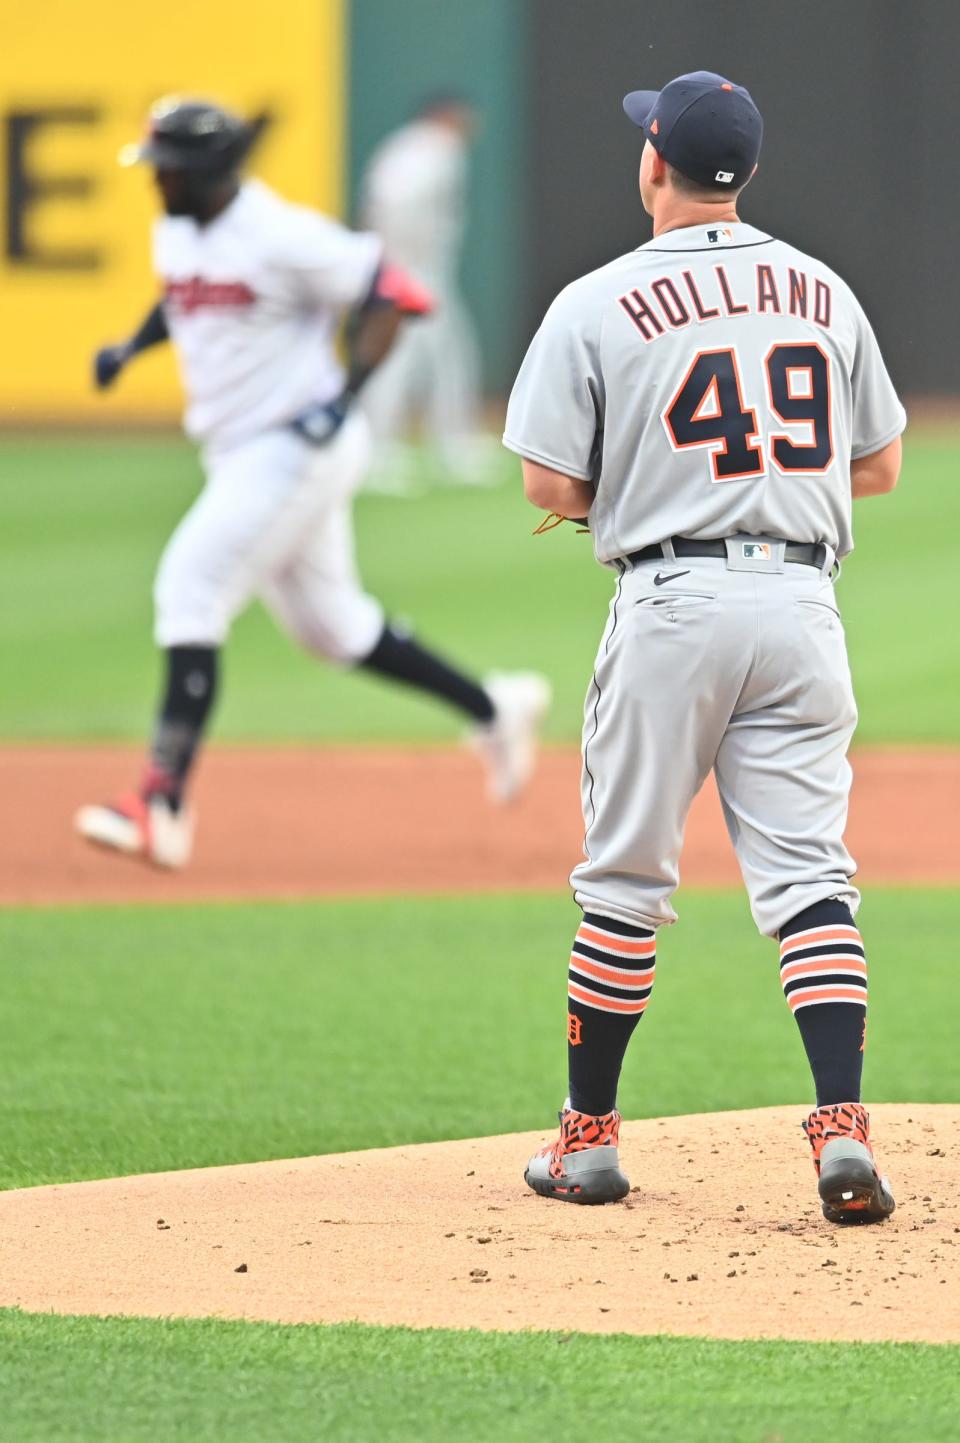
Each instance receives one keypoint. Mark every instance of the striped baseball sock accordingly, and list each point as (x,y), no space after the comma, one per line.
(609,986)
(823,972)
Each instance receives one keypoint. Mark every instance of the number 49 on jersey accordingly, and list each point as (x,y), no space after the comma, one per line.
(708,410)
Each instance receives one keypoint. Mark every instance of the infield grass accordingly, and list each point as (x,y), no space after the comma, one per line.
(142,1039)
(85,520)
(136,1381)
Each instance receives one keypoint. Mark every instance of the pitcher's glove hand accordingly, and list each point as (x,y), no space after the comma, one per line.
(108,362)
(554,519)
(319,423)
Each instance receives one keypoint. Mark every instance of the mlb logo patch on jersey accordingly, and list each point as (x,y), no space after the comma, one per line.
(756,550)
(719,235)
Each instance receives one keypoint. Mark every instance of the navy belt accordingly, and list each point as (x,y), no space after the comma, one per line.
(805,553)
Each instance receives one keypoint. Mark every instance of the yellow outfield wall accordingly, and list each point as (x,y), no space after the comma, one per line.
(76,80)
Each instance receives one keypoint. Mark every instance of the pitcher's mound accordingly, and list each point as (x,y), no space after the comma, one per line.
(722,1236)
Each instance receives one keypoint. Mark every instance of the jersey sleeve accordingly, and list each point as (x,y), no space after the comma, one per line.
(555,412)
(327,263)
(878,416)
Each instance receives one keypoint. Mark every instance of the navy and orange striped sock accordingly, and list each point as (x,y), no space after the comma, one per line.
(823,971)
(609,985)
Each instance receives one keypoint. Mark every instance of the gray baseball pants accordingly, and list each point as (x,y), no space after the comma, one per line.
(737,666)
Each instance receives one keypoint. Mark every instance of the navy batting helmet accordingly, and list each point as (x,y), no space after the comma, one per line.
(193,135)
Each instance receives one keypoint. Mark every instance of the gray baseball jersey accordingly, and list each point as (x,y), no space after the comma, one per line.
(713,385)
(715,381)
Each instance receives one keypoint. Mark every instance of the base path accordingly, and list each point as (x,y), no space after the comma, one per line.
(334,821)
(721,1236)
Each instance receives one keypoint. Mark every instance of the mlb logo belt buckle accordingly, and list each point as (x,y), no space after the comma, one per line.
(754,553)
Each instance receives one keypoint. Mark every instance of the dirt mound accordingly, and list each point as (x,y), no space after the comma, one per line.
(335,821)
(721,1236)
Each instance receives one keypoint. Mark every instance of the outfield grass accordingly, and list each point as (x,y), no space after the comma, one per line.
(140,1039)
(138,1381)
(85,519)
(84,524)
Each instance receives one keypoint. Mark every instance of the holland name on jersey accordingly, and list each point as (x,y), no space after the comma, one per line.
(672,302)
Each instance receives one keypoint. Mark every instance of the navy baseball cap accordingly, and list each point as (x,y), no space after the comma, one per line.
(704,125)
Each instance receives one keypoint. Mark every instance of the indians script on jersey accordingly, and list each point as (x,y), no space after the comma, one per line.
(252,301)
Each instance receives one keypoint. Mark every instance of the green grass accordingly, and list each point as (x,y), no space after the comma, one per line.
(140,1039)
(85,520)
(897,592)
(139,1381)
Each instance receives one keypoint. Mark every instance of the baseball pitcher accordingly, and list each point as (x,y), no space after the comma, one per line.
(713,402)
(253,291)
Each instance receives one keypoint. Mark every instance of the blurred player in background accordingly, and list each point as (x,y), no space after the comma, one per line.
(414,195)
(253,290)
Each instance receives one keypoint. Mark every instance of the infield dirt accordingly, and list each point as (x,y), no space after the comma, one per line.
(721,1236)
(342,821)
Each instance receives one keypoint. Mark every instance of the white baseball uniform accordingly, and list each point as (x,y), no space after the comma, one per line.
(713,385)
(414,198)
(252,300)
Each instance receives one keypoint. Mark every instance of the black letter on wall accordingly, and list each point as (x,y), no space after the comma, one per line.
(25,191)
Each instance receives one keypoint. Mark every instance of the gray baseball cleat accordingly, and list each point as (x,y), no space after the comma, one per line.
(583,1165)
(851,1189)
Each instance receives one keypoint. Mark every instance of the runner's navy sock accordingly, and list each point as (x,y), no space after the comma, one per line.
(609,984)
(189,692)
(403,659)
(823,971)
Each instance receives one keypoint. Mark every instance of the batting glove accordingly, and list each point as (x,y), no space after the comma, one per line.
(107,365)
(320,423)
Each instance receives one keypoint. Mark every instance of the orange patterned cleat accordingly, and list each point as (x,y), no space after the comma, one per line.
(851,1189)
(583,1165)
